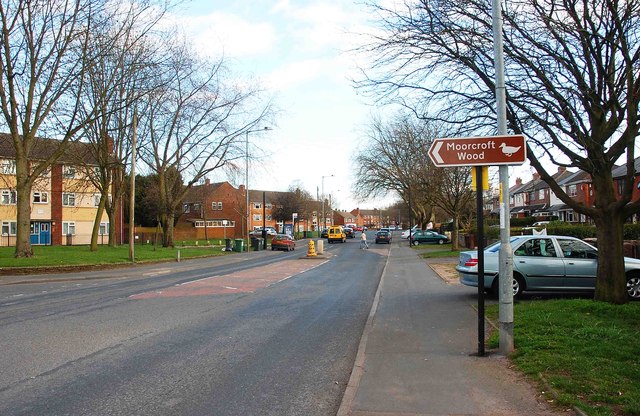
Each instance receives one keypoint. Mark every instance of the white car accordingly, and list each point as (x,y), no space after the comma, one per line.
(405,233)
(258,232)
(545,263)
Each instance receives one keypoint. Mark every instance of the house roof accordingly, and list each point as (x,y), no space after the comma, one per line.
(43,148)
(620,171)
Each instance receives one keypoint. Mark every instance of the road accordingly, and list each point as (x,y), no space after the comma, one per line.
(253,333)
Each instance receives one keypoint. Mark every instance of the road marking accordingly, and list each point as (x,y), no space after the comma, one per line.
(243,281)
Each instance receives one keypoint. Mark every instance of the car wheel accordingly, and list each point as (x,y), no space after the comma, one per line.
(633,287)
(416,242)
(518,285)
(440,242)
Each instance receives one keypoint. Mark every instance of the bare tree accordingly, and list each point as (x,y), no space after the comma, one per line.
(295,200)
(395,160)
(122,61)
(42,67)
(573,88)
(194,121)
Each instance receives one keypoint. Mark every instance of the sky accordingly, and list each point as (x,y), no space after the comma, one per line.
(298,51)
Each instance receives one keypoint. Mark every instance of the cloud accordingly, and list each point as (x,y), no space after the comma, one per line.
(237,37)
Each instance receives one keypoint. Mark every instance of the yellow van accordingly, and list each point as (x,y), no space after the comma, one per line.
(336,234)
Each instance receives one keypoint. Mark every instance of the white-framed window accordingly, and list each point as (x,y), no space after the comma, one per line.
(104,228)
(220,206)
(8,167)
(68,199)
(96,172)
(68,228)
(214,223)
(572,190)
(268,205)
(257,205)
(96,200)
(257,217)
(40,197)
(196,207)
(68,172)
(541,194)
(8,197)
(186,208)
(9,228)
(269,217)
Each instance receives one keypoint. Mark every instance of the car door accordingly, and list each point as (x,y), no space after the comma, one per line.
(537,260)
(581,263)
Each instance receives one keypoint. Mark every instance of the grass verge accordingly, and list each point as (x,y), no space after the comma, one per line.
(80,255)
(585,350)
(432,251)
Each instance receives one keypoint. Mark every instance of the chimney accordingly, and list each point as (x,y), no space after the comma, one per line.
(207,181)
(536,176)
(518,181)
(561,169)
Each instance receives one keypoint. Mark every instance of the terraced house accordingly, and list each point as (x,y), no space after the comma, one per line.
(64,201)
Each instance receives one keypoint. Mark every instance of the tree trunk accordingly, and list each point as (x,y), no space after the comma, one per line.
(454,234)
(167,229)
(96,224)
(611,283)
(23,207)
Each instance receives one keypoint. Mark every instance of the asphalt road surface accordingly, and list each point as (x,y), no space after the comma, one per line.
(272,334)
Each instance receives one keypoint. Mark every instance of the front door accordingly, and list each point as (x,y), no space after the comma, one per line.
(40,233)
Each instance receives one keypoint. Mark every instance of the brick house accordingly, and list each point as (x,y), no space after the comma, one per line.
(212,211)
(64,201)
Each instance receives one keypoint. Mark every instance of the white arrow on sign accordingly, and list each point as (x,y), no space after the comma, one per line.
(436,153)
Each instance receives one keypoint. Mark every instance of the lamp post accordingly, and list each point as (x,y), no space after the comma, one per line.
(324,217)
(246,176)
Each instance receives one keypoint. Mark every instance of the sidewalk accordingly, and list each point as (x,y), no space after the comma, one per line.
(416,356)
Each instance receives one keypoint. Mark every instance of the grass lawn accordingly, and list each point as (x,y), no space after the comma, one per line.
(432,251)
(587,351)
(80,255)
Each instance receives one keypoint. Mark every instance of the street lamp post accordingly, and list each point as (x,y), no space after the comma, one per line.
(324,217)
(246,176)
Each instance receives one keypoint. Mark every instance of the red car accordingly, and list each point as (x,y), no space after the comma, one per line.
(283,242)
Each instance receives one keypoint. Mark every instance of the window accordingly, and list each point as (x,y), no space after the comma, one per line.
(577,250)
(68,228)
(9,227)
(8,167)
(186,208)
(96,200)
(268,205)
(257,217)
(40,197)
(69,199)
(69,172)
(104,228)
(541,194)
(196,207)
(532,195)
(257,205)
(537,247)
(572,190)
(219,206)
(198,224)
(9,197)
(269,217)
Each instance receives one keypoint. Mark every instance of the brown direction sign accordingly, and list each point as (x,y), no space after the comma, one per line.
(478,151)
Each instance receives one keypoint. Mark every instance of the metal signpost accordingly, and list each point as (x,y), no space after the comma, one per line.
(478,152)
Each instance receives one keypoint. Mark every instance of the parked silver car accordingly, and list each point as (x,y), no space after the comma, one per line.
(545,262)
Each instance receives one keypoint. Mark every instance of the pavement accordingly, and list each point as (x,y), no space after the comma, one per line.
(418,353)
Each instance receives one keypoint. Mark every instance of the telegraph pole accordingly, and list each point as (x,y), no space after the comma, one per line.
(506,254)
(132,199)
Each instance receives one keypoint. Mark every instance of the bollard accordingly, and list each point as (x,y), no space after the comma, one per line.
(320,247)
(178,259)
(311,251)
